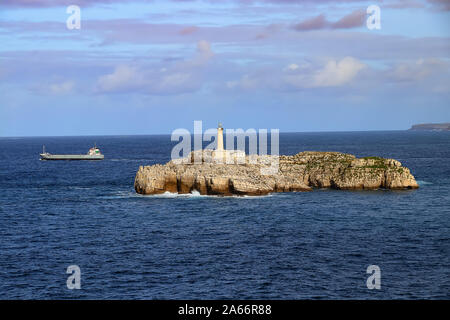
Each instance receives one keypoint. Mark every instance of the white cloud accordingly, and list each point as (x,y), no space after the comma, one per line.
(54,87)
(204,54)
(175,80)
(424,75)
(334,73)
(204,48)
(62,88)
(123,77)
(184,76)
(417,70)
(337,73)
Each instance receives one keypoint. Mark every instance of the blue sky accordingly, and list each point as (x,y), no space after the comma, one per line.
(149,67)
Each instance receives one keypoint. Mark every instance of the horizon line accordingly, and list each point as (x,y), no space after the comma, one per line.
(168,134)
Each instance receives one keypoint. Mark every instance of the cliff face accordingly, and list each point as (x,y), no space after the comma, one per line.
(301,172)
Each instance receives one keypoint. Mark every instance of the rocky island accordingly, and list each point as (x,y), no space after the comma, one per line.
(301,172)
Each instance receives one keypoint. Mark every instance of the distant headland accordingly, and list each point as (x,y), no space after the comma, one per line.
(431,127)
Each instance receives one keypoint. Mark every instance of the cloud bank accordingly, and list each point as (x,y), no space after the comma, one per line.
(181,77)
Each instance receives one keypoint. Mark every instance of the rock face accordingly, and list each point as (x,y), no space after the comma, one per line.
(301,172)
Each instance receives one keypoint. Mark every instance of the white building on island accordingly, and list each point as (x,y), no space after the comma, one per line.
(222,155)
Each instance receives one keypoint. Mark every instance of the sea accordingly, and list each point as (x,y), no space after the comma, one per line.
(305,245)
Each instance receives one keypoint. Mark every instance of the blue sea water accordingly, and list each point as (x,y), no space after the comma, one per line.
(312,245)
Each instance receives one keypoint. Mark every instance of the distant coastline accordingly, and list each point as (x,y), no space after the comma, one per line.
(431,127)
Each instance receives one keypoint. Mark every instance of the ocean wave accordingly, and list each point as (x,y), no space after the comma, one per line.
(167,194)
(423,183)
(196,194)
(79,188)
(173,195)
(122,195)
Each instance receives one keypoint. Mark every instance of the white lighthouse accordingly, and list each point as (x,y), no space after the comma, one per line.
(219,155)
(220,138)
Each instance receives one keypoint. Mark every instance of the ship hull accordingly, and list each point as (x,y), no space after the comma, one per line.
(71,157)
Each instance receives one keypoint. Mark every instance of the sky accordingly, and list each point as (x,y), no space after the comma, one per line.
(150,67)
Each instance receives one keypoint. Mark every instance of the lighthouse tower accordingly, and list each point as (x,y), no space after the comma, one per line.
(219,155)
(219,138)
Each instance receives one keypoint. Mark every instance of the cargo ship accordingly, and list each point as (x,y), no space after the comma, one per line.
(93,154)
